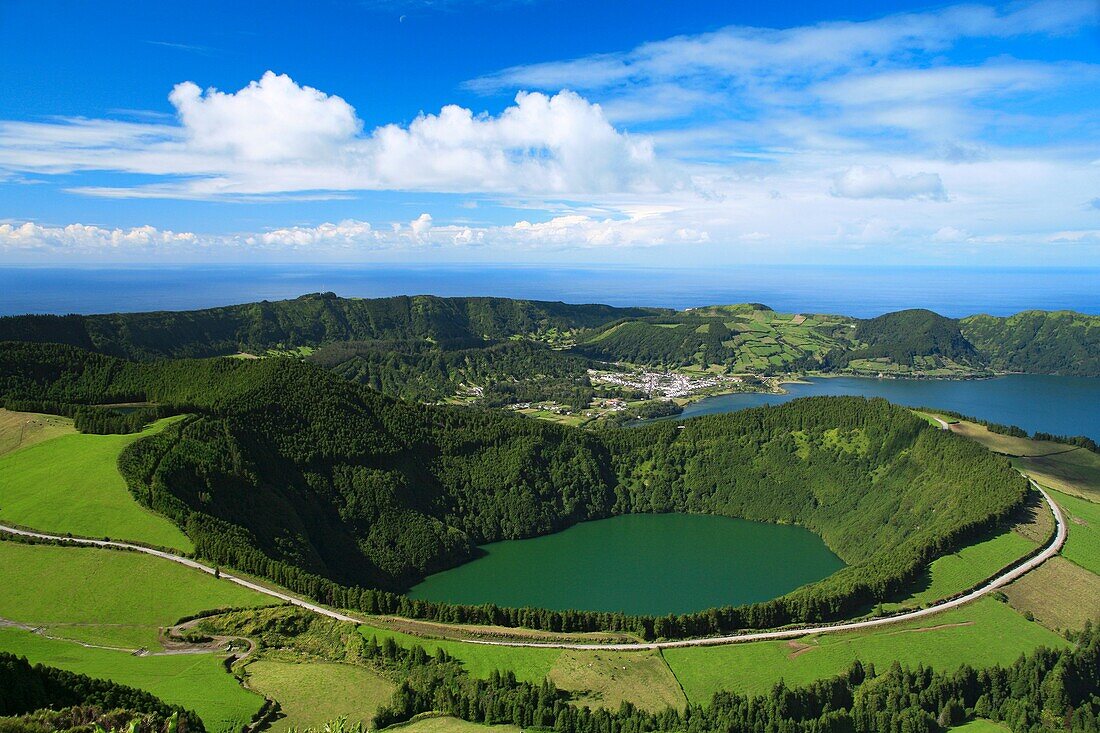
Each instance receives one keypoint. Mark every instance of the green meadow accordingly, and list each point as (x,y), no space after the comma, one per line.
(1083,527)
(106,597)
(71,484)
(196,681)
(311,693)
(966,568)
(979,634)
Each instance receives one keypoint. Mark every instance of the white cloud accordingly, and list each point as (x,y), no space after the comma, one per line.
(80,238)
(271,120)
(277,137)
(862,182)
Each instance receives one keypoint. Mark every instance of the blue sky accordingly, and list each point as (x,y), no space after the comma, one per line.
(550,131)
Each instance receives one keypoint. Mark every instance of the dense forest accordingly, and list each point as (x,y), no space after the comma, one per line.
(905,335)
(1041,342)
(66,700)
(311,320)
(327,487)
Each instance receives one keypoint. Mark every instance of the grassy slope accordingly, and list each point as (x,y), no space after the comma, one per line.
(1083,541)
(447,724)
(104,596)
(530,664)
(311,693)
(24,429)
(71,484)
(981,726)
(979,634)
(195,681)
(966,568)
(607,679)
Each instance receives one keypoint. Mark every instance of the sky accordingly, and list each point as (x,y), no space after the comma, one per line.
(641,133)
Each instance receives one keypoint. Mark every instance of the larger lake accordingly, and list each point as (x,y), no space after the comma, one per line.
(640,564)
(1059,405)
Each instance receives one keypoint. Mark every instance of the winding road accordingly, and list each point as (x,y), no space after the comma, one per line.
(1001,580)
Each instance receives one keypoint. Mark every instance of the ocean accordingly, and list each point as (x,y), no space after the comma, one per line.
(855,291)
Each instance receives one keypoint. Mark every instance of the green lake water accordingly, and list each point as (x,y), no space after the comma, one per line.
(640,564)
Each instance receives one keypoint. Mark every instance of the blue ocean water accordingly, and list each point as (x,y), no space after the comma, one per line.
(851,291)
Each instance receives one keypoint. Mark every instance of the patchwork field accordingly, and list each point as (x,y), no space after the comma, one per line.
(1054,593)
(310,694)
(196,681)
(106,597)
(71,483)
(979,634)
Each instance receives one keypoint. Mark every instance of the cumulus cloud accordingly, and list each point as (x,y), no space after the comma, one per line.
(81,238)
(271,120)
(880,182)
(276,136)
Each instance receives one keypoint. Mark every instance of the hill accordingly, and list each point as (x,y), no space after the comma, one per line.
(288,471)
(309,321)
(1041,342)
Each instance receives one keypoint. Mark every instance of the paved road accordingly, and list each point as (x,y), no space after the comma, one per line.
(1004,579)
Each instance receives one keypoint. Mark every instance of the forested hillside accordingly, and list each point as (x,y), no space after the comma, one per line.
(904,336)
(288,471)
(1042,342)
(311,320)
(425,347)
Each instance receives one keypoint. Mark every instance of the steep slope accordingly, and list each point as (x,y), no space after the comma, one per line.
(1040,342)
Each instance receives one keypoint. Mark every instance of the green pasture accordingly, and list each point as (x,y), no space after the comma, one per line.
(195,681)
(1083,527)
(71,484)
(966,568)
(980,634)
(106,597)
(311,693)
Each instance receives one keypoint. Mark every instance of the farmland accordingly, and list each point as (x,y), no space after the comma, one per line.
(310,693)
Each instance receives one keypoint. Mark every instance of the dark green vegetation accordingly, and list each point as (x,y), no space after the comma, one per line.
(333,490)
(311,320)
(905,336)
(1040,342)
(25,689)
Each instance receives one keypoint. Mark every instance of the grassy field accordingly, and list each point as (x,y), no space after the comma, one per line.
(966,568)
(606,679)
(106,597)
(196,681)
(24,429)
(981,726)
(1083,525)
(311,693)
(1053,593)
(980,634)
(530,664)
(71,484)
(447,724)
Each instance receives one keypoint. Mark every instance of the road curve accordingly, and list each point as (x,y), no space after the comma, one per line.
(1001,580)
